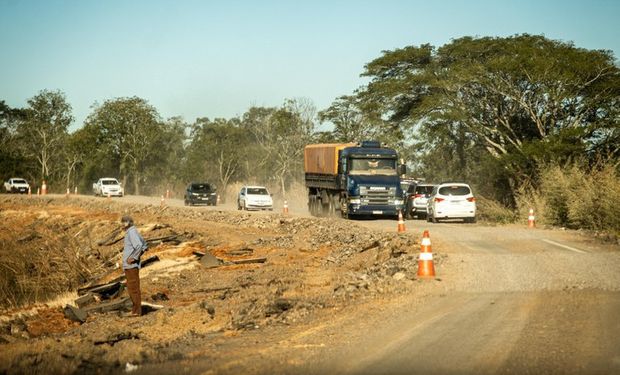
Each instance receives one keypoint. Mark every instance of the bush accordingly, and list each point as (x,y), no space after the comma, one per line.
(493,211)
(574,197)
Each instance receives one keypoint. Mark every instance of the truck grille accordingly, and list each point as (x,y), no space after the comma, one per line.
(376,196)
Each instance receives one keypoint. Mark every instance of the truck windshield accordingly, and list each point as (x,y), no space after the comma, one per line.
(363,166)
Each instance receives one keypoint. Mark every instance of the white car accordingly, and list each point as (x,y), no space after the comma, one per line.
(254,198)
(451,200)
(108,186)
(16,185)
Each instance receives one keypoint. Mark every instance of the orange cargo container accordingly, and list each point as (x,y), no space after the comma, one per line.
(323,158)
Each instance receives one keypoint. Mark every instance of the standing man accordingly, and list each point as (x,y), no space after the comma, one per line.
(135,245)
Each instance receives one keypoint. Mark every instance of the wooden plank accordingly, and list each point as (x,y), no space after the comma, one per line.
(250,260)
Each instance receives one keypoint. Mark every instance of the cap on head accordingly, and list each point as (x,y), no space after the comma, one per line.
(127,220)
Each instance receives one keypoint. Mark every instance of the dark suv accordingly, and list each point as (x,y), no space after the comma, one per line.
(200,193)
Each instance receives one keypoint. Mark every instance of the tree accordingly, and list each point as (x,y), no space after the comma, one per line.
(129,129)
(44,129)
(12,161)
(217,150)
(521,100)
(282,134)
(348,119)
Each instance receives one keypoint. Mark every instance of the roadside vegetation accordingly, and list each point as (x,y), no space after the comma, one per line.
(529,122)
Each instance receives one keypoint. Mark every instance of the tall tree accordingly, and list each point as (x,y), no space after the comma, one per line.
(44,130)
(282,134)
(522,99)
(130,129)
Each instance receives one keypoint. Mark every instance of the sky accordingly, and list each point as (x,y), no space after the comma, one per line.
(217,59)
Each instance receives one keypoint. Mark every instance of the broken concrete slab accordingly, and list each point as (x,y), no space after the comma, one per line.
(85,300)
(120,304)
(210,261)
(75,314)
(106,291)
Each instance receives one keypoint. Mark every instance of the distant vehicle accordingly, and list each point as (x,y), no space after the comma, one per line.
(108,186)
(451,200)
(16,185)
(254,198)
(417,198)
(200,193)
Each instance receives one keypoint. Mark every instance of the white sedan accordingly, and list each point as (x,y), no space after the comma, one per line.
(254,198)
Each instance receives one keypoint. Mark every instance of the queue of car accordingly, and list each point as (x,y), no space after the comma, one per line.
(435,202)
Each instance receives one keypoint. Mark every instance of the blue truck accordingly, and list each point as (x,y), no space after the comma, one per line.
(353,179)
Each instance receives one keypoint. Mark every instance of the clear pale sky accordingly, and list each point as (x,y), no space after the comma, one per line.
(218,58)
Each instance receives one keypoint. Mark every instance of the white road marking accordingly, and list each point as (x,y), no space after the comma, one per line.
(564,246)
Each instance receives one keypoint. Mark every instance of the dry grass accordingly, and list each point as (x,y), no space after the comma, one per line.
(575,197)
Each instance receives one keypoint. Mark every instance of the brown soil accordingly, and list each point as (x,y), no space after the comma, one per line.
(315,269)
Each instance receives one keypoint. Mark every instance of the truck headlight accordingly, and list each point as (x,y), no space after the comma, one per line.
(355,201)
(398,202)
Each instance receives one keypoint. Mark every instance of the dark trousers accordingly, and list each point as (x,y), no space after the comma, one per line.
(133,288)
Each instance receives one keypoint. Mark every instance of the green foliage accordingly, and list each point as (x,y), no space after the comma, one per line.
(522,100)
(42,132)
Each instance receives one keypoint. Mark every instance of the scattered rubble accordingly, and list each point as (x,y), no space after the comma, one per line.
(211,272)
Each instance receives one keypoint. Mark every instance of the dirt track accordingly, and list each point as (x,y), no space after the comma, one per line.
(332,296)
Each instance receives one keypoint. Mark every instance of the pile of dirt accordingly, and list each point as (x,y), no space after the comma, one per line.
(270,271)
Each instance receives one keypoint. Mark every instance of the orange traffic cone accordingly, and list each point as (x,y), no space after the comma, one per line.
(531,219)
(401,222)
(426,267)
(285,208)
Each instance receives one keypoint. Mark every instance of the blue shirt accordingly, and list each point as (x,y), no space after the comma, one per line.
(134,246)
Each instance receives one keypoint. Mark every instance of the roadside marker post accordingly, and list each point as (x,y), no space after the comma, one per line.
(44,188)
(162,202)
(68,192)
(29,192)
(75,190)
(285,208)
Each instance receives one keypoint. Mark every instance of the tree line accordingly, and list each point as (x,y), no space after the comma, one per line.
(490,111)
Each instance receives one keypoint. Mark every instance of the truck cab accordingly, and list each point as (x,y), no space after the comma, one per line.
(370,180)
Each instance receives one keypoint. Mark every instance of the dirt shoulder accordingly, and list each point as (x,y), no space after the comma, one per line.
(313,270)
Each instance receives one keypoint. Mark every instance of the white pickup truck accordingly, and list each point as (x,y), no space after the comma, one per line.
(16,185)
(108,186)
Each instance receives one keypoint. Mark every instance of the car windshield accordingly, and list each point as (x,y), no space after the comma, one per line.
(426,190)
(19,182)
(258,191)
(203,188)
(362,166)
(454,190)
(109,182)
